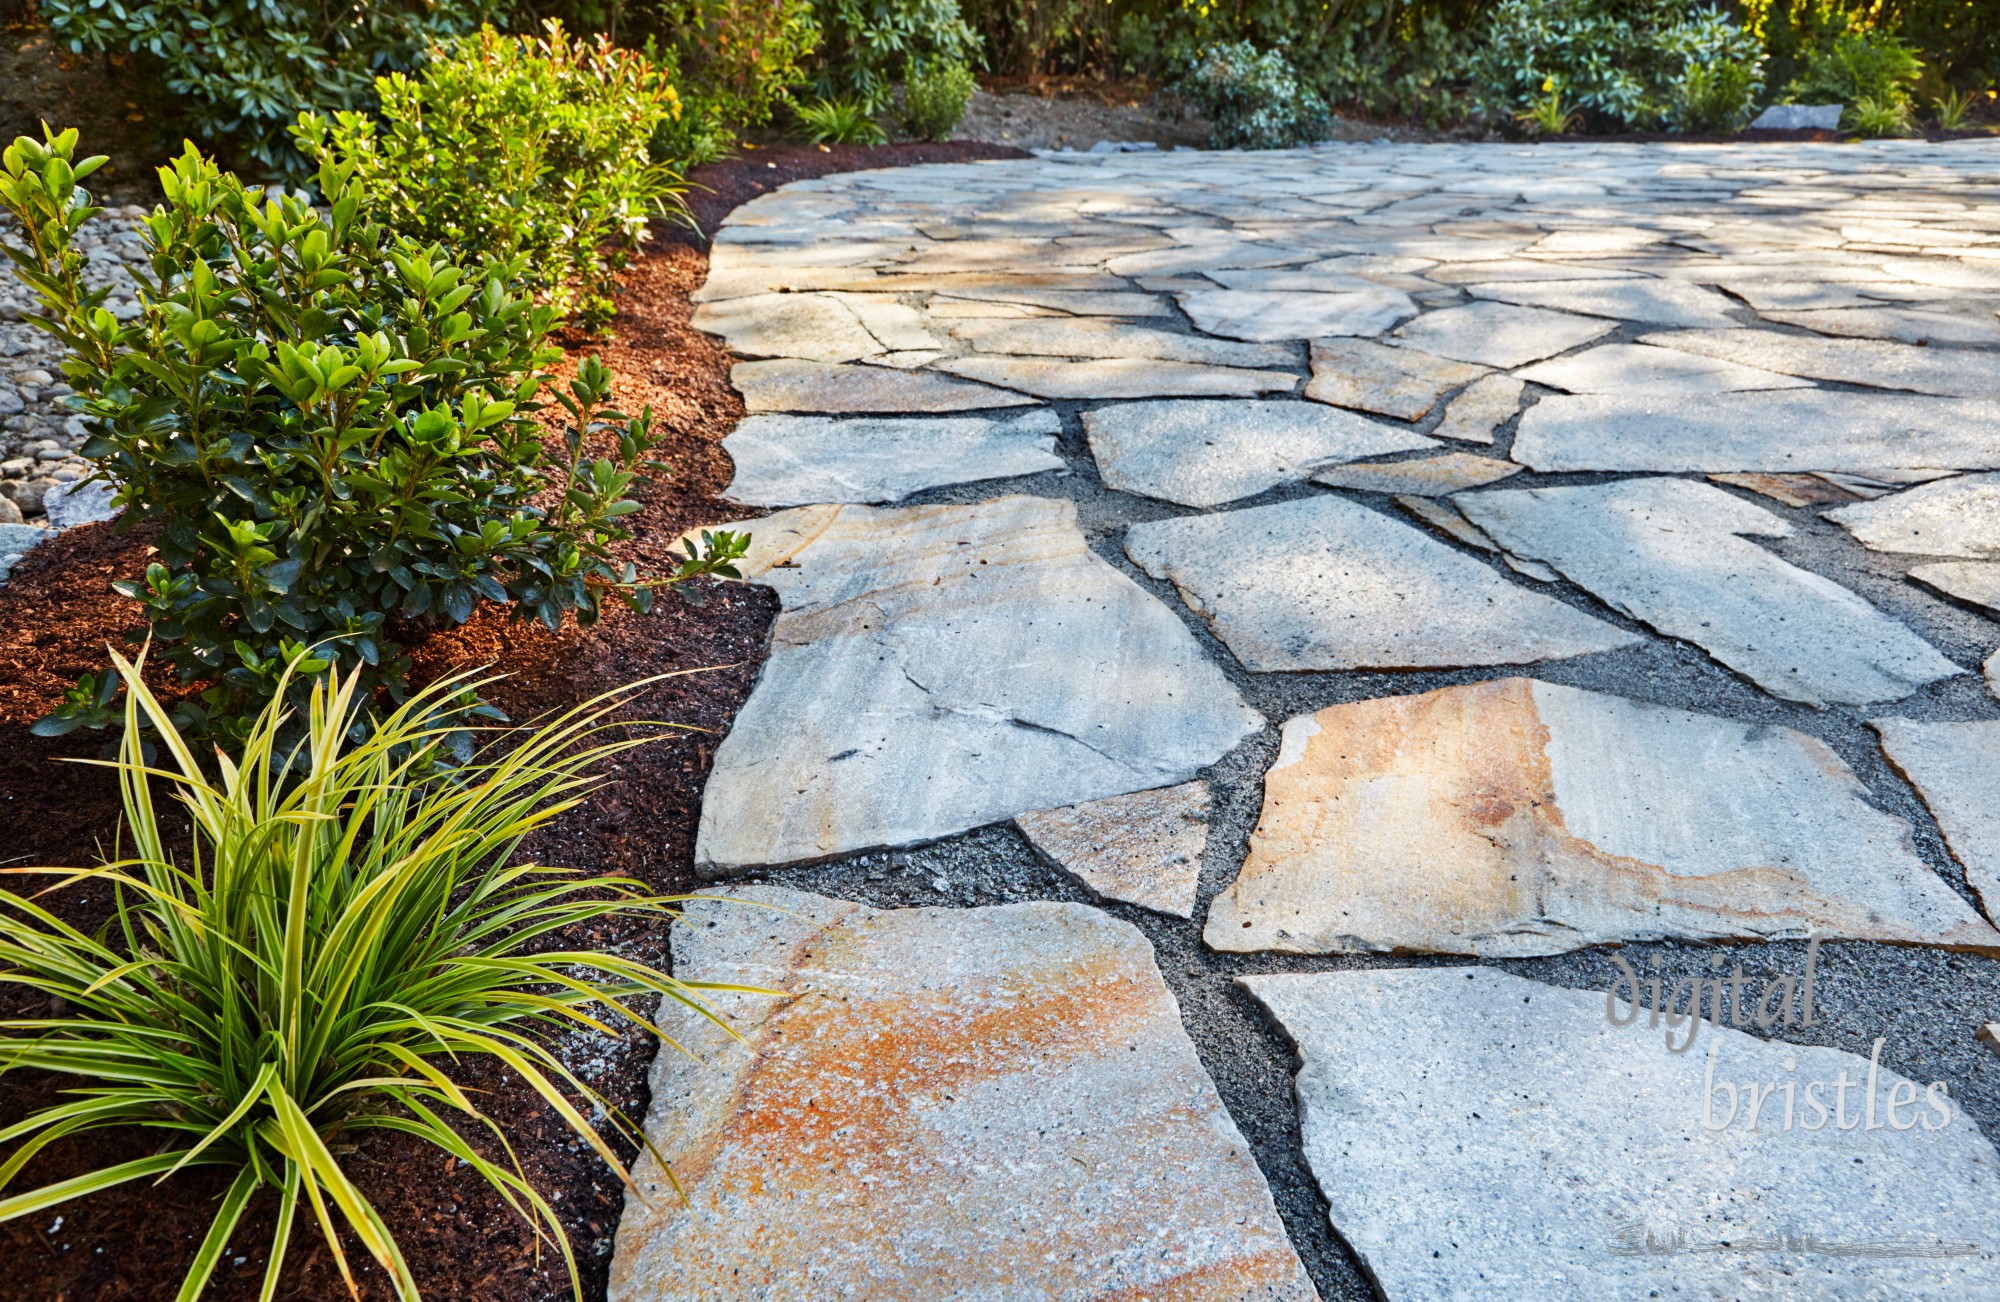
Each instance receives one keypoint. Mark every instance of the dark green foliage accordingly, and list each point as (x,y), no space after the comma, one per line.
(332,427)
(934,98)
(867,45)
(1252,99)
(507,146)
(242,70)
(1856,66)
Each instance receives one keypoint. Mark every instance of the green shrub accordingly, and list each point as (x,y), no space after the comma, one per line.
(934,98)
(1721,73)
(1874,117)
(1252,99)
(296,980)
(865,45)
(738,59)
(1625,63)
(1958,39)
(839,122)
(509,146)
(1857,66)
(331,426)
(242,70)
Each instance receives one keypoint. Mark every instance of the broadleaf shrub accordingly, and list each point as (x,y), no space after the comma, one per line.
(1855,66)
(342,934)
(1252,99)
(243,70)
(934,98)
(866,45)
(509,146)
(333,428)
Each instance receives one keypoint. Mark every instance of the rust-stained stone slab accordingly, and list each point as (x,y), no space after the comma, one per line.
(1792,490)
(939,668)
(1142,849)
(1512,818)
(1955,767)
(994,1103)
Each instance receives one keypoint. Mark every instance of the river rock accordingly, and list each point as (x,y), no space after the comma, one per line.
(940,1103)
(1512,818)
(1481,1135)
(939,668)
(1326,583)
(1670,553)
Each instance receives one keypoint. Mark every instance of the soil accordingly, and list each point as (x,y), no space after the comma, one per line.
(100,95)
(57,614)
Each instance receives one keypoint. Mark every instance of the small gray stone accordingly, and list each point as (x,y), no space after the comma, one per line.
(1481,1135)
(1799,117)
(1142,849)
(74,502)
(1955,767)
(1950,517)
(1668,552)
(1326,583)
(800,460)
(1203,454)
(1500,334)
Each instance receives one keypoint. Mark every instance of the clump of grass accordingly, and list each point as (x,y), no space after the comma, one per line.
(348,922)
(839,122)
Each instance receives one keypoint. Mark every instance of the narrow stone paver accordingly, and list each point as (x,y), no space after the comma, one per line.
(1478,1134)
(992,1102)
(1726,421)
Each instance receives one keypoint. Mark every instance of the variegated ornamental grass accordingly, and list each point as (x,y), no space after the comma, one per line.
(336,939)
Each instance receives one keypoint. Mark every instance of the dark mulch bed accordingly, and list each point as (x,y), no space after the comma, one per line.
(57,614)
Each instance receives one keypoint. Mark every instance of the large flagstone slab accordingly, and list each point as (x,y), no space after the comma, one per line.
(1943,372)
(1481,1135)
(939,668)
(1955,767)
(800,460)
(1142,849)
(1437,476)
(1049,377)
(1628,369)
(1975,581)
(1906,325)
(1514,818)
(1659,302)
(940,1103)
(1500,334)
(1098,337)
(1202,453)
(801,386)
(813,327)
(1326,583)
(1775,430)
(1949,517)
(1477,414)
(1295,314)
(1671,554)
(1399,382)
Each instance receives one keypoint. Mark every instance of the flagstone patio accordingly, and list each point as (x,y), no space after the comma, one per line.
(1157,696)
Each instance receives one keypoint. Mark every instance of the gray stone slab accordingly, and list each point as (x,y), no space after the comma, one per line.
(1050,377)
(1910,325)
(1201,453)
(1670,553)
(1101,337)
(1635,369)
(1975,581)
(1399,382)
(1942,372)
(1325,583)
(1955,767)
(1437,476)
(1499,334)
(1514,818)
(1799,117)
(1481,1135)
(812,387)
(1948,517)
(1657,302)
(801,460)
(1142,849)
(812,327)
(1477,414)
(939,668)
(940,1103)
(1296,314)
(1774,430)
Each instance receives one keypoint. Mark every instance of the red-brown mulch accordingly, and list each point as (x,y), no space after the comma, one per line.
(57,613)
